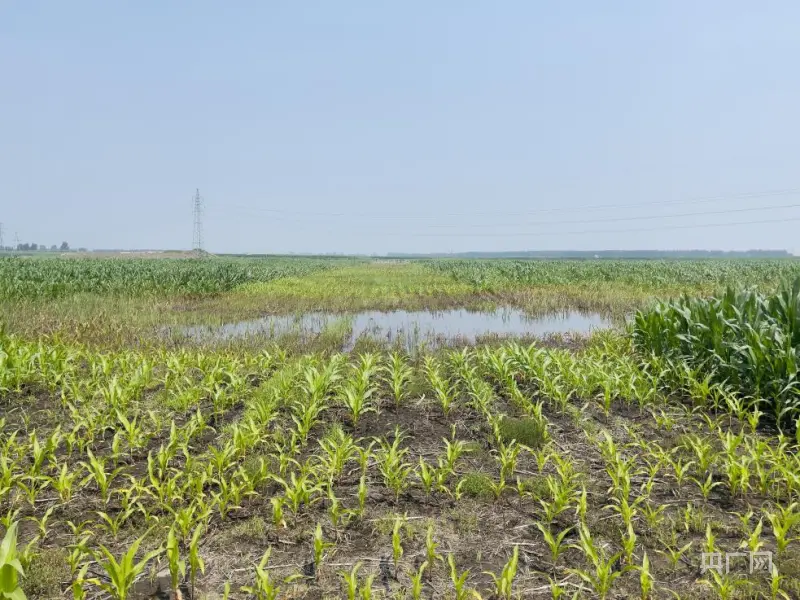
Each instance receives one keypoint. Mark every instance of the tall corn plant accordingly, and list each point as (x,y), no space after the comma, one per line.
(746,340)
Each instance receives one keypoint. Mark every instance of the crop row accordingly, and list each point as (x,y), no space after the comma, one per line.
(29,278)
(650,275)
(133,460)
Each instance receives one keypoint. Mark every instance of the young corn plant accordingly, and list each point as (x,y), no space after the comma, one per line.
(392,463)
(775,585)
(10,567)
(264,588)
(603,573)
(41,523)
(78,582)
(427,475)
(399,376)
(196,563)
(338,449)
(417,583)
(320,545)
(629,544)
(754,542)
(653,514)
(365,591)
(339,515)
(707,486)
(177,566)
(554,542)
(298,491)
(397,545)
(459,581)
(113,524)
(63,483)
(681,469)
(278,503)
(503,583)
(507,455)
(646,578)
(453,451)
(123,572)
(672,552)
(350,581)
(443,388)
(356,399)
(783,521)
(306,414)
(723,584)
(430,550)
(96,471)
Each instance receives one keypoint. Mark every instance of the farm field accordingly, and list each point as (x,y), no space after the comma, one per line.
(138,463)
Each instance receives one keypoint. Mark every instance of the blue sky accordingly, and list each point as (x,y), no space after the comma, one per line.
(415,126)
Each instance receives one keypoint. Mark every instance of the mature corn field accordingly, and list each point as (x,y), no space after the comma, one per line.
(29,278)
(648,274)
(742,340)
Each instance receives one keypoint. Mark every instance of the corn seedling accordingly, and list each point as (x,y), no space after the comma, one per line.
(264,588)
(504,582)
(351,581)
(96,469)
(320,545)
(783,521)
(392,463)
(399,376)
(603,573)
(646,579)
(459,581)
(397,546)
(554,542)
(123,572)
(196,563)
(416,582)
(430,548)
(177,566)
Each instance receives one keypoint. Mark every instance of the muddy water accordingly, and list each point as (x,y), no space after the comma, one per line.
(412,328)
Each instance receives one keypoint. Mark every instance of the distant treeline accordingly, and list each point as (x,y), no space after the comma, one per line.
(616,254)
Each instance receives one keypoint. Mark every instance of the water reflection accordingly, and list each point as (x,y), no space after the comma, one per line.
(411,326)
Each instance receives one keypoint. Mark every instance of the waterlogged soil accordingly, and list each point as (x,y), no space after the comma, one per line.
(408,328)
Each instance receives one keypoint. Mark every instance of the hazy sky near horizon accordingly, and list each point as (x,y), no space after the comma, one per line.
(416,126)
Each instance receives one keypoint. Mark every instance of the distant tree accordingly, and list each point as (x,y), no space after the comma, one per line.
(53,248)
(82,250)
(64,246)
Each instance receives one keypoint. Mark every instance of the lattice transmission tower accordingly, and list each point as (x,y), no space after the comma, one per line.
(197,238)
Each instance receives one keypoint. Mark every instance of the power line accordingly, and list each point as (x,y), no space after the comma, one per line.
(641,218)
(589,221)
(636,229)
(590,207)
(197,237)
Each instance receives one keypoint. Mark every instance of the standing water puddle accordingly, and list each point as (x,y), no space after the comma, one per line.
(412,327)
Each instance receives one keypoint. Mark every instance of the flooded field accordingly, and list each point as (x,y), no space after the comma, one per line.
(412,327)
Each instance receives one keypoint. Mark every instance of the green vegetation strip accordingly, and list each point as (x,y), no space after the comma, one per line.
(652,275)
(32,278)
